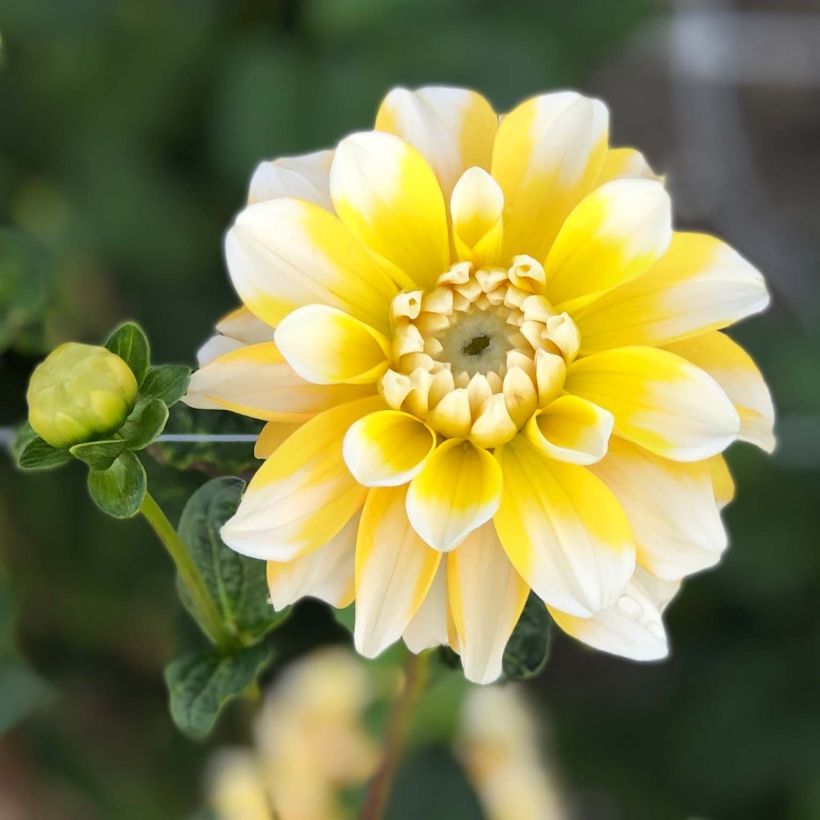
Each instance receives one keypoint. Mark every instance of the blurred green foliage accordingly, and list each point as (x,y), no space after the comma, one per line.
(128,131)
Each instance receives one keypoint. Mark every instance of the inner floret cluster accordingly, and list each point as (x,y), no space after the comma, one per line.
(481,352)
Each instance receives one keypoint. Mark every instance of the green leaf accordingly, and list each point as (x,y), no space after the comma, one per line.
(213,458)
(167,382)
(448,658)
(346,617)
(22,689)
(145,422)
(33,453)
(119,490)
(200,684)
(236,583)
(99,455)
(528,649)
(25,285)
(130,343)
(432,784)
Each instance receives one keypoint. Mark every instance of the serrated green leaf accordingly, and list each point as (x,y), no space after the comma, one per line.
(33,453)
(119,490)
(214,458)
(528,649)
(130,343)
(99,455)
(167,382)
(236,583)
(201,684)
(145,422)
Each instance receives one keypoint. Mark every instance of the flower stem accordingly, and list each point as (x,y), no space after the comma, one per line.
(415,678)
(207,614)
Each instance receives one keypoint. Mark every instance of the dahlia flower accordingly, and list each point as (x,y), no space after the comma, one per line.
(489,366)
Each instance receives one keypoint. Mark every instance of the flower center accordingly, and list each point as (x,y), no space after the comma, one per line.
(477,346)
(478,354)
(477,341)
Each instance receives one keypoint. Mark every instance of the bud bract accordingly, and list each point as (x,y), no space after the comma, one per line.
(78,393)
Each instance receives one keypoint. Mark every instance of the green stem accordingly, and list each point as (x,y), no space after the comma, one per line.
(415,678)
(207,614)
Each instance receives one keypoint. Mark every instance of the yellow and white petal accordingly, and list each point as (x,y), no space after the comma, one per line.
(429,625)
(327,573)
(218,345)
(388,196)
(303,494)
(659,401)
(547,156)
(387,448)
(563,530)
(302,177)
(625,163)
(735,371)
(452,128)
(550,373)
(571,429)
(457,490)
(671,508)
(476,209)
(256,381)
(632,627)
(242,325)
(613,235)
(286,253)
(326,346)
(272,435)
(394,571)
(234,330)
(700,284)
(722,482)
(486,597)
(237,329)
(660,592)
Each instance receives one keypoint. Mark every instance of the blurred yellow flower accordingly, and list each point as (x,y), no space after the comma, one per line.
(79,392)
(499,746)
(310,744)
(489,366)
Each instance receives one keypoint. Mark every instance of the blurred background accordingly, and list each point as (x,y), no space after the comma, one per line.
(128,132)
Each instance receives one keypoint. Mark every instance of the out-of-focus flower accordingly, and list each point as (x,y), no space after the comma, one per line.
(489,366)
(79,392)
(236,786)
(310,744)
(500,748)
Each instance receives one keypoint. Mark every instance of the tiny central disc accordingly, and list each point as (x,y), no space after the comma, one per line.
(477,346)
(476,343)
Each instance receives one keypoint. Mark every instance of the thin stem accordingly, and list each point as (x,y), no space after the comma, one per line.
(206,612)
(415,678)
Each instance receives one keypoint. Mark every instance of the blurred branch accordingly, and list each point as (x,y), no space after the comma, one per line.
(378,793)
(788,41)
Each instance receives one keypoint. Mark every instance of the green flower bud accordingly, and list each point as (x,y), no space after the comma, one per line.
(80,392)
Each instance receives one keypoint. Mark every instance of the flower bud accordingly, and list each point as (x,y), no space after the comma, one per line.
(78,393)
